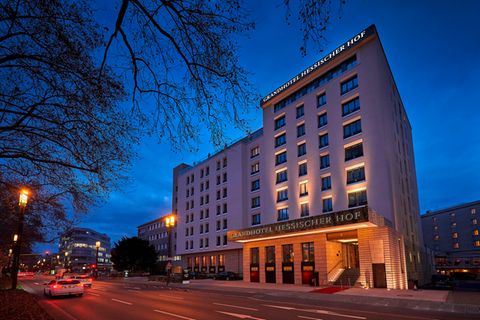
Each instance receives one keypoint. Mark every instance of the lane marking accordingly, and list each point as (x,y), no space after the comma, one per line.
(231,305)
(121,301)
(94,294)
(239,315)
(303,317)
(332,313)
(36,283)
(173,314)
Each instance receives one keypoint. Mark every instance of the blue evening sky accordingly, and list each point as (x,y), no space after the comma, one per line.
(432,48)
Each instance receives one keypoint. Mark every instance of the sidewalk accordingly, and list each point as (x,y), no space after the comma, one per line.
(432,300)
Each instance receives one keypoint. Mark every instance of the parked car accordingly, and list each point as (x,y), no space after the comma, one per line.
(226,275)
(85,279)
(63,287)
(440,281)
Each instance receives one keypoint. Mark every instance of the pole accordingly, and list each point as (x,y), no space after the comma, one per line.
(16,250)
(96,264)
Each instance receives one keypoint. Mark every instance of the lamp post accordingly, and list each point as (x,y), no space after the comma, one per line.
(97,245)
(66,255)
(169,224)
(22,203)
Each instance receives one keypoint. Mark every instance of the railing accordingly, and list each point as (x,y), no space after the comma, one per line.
(333,269)
(335,266)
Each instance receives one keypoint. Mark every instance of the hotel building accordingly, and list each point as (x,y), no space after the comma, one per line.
(157,234)
(454,236)
(326,191)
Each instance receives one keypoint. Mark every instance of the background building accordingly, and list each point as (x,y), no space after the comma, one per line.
(454,236)
(78,250)
(157,235)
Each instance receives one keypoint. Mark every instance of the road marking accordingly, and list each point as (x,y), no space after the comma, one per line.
(173,314)
(239,315)
(303,317)
(94,294)
(169,296)
(121,301)
(36,283)
(316,311)
(231,305)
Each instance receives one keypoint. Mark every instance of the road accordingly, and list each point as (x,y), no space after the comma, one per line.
(119,300)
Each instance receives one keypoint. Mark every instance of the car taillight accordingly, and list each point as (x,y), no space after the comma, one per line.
(80,285)
(91,279)
(54,286)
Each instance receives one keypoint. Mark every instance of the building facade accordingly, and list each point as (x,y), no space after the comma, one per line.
(78,250)
(454,236)
(163,240)
(327,191)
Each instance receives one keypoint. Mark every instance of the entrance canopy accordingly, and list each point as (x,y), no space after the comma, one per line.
(361,217)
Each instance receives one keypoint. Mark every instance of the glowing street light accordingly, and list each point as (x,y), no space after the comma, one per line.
(17,238)
(97,245)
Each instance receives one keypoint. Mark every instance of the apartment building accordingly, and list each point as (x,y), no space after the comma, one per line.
(156,233)
(326,192)
(454,236)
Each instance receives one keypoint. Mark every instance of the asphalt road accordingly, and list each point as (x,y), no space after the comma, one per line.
(118,300)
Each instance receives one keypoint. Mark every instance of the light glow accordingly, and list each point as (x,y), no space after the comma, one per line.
(22,201)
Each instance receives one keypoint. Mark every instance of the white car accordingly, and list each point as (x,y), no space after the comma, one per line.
(85,279)
(63,287)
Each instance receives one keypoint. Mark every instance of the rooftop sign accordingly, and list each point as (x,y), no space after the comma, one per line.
(315,222)
(329,57)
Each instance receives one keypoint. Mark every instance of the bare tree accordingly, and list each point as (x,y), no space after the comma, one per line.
(60,126)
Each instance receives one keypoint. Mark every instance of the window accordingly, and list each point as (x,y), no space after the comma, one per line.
(436,237)
(473,211)
(280,122)
(256,219)
(206,243)
(354,151)
(218,194)
(207,227)
(475,232)
(201,187)
(186,232)
(224,239)
(256,202)
(303,189)
(349,84)
(188,193)
(270,254)
(201,173)
(192,178)
(207,199)
(287,253)
(255,185)
(207,213)
(201,200)
(218,241)
(326,183)
(225,161)
(476,243)
(282,176)
(201,214)
(474,221)
(218,180)
(321,100)
(307,252)
(302,169)
(282,195)
(255,151)
(301,149)
(218,165)
(454,235)
(254,255)
(300,111)
(281,158)
(456,245)
(327,205)
(324,161)
(352,129)
(225,192)
(280,140)
(201,228)
(255,168)
(225,208)
(322,120)
(188,179)
(323,140)
(219,210)
(207,185)
(304,210)
(301,130)
(350,106)
(207,171)
(282,214)
(358,198)
(219,225)
(356,175)
(225,224)
(224,177)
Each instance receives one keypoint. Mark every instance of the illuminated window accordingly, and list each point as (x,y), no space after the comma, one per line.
(255,151)
(304,210)
(256,202)
(356,175)
(303,189)
(475,232)
(477,243)
(255,185)
(358,198)
(282,195)
(255,168)
(436,237)
(455,235)
(307,252)
(456,245)
(256,219)
(474,221)
(473,211)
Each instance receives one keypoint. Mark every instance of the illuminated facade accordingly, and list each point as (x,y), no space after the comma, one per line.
(78,251)
(328,192)
(156,233)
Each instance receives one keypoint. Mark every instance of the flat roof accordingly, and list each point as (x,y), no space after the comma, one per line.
(456,207)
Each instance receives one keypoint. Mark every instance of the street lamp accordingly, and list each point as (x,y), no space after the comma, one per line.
(169,224)
(22,203)
(66,255)
(97,245)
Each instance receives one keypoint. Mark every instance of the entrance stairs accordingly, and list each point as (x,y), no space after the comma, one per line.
(348,277)
(334,275)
